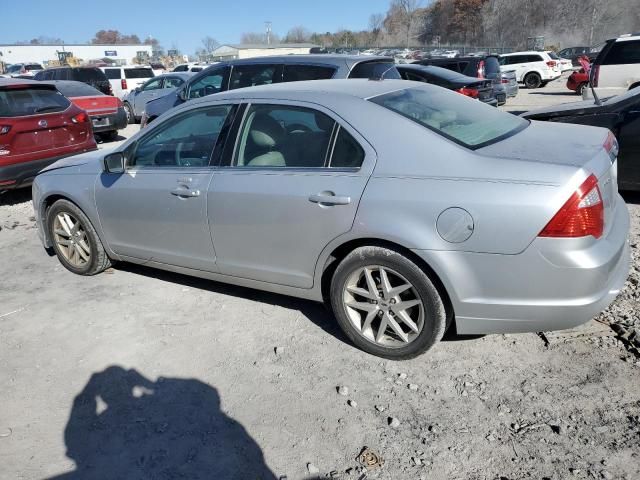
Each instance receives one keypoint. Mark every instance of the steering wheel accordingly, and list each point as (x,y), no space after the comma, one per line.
(298,128)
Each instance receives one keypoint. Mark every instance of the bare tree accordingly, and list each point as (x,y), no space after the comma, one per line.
(376,24)
(297,34)
(209,44)
(258,38)
(403,15)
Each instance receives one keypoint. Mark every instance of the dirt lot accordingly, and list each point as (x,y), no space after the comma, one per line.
(137,373)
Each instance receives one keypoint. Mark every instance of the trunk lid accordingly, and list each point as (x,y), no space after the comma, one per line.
(97,105)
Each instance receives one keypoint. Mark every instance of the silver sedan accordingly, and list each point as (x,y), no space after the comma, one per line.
(404,206)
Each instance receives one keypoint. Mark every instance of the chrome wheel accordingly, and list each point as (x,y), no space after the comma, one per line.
(383,306)
(71,239)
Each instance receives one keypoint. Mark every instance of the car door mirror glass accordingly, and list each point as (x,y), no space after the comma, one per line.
(114,163)
(182,95)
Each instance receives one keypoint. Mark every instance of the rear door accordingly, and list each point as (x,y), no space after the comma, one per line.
(619,67)
(291,187)
(150,90)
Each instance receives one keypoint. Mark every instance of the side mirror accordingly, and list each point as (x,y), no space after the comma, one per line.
(182,94)
(138,89)
(114,163)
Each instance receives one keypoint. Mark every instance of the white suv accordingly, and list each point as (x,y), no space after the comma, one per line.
(617,67)
(534,69)
(127,78)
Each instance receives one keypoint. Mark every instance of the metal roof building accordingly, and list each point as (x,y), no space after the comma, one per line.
(237,51)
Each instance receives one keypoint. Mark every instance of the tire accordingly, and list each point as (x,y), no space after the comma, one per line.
(532,80)
(544,84)
(84,238)
(425,308)
(129,111)
(581,88)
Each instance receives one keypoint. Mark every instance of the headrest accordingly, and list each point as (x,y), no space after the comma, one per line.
(265,131)
(324,122)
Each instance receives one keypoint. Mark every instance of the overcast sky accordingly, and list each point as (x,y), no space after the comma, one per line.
(181,23)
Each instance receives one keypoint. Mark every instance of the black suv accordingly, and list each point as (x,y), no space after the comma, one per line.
(90,75)
(487,66)
(266,70)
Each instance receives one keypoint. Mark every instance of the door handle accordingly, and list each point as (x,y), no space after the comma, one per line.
(329,199)
(183,192)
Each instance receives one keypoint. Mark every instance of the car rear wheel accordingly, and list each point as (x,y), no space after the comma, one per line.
(386,304)
(74,239)
(581,88)
(532,80)
(129,112)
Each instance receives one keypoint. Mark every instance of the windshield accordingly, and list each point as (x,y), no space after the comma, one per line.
(467,122)
(553,55)
(29,101)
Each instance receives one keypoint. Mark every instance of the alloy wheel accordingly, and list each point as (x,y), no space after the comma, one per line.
(383,306)
(71,239)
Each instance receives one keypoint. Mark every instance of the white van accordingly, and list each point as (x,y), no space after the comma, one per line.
(617,68)
(126,78)
(534,69)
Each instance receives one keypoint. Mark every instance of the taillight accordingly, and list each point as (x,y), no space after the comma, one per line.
(82,117)
(504,80)
(551,63)
(582,215)
(481,69)
(596,75)
(4,129)
(611,146)
(469,92)
(123,83)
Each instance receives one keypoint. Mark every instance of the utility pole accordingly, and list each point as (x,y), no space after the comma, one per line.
(268,24)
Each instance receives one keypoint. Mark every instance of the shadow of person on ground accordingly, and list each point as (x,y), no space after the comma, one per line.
(124,426)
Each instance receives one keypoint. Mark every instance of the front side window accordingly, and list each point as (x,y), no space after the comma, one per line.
(173,82)
(154,84)
(208,84)
(252,75)
(184,141)
(469,123)
(284,136)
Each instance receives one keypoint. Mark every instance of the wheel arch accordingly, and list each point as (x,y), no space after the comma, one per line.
(340,251)
(634,85)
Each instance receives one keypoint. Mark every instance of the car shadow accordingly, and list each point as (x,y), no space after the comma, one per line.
(13,197)
(316,312)
(631,197)
(558,94)
(123,425)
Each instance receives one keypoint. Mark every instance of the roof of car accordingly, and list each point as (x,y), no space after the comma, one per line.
(184,75)
(17,82)
(356,88)
(311,58)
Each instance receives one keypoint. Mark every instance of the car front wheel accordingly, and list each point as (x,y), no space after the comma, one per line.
(74,239)
(386,304)
(129,111)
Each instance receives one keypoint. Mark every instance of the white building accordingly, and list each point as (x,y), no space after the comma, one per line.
(43,54)
(232,52)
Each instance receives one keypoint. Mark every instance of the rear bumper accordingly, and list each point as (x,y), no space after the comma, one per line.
(554,284)
(114,121)
(23,173)
(491,101)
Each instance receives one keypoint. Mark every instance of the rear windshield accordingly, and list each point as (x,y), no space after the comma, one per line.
(467,122)
(375,70)
(491,67)
(88,75)
(138,73)
(33,66)
(77,89)
(31,101)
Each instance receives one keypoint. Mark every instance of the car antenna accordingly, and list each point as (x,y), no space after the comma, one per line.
(381,77)
(597,100)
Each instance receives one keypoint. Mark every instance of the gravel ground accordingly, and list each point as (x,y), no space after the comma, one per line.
(137,373)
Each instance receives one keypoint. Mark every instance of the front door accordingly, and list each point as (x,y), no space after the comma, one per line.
(149,91)
(156,210)
(291,187)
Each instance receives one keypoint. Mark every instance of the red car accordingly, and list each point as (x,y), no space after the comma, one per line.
(106,112)
(579,80)
(38,125)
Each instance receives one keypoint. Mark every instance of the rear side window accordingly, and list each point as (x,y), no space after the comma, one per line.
(453,66)
(196,69)
(251,75)
(468,123)
(623,53)
(33,66)
(180,68)
(31,101)
(533,58)
(112,73)
(347,152)
(61,74)
(296,73)
(88,75)
(375,70)
(138,73)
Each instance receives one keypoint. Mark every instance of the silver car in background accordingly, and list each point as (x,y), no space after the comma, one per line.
(136,100)
(404,206)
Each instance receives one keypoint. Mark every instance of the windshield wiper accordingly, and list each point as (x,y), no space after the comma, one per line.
(44,109)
